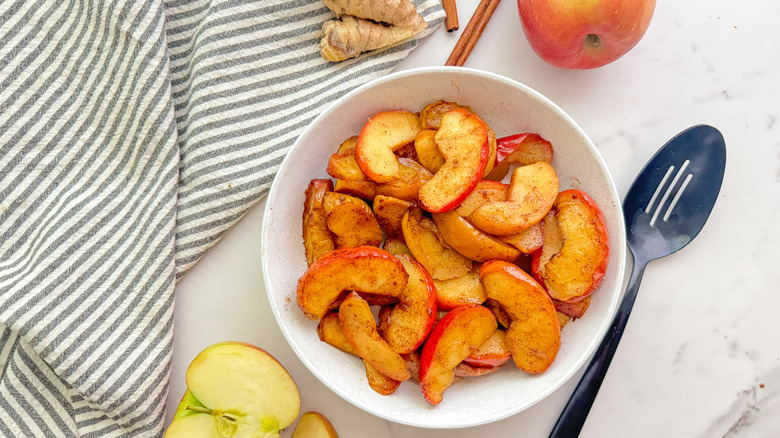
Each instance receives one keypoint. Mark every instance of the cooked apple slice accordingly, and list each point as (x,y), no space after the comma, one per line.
(389,211)
(395,246)
(317,239)
(235,389)
(534,336)
(411,176)
(380,383)
(329,331)
(464,143)
(563,318)
(468,370)
(574,309)
(527,241)
(492,353)
(460,291)
(427,152)
(575,270)
(492,151)
(314,425)
(452,339)
(406,325)
(524,149)
(430,116)
(343,165)
(359,327)
(500,170)
(532,192)
(428,247)
(351,221)
(485,191)
(471,242)
(362,268)
(363,189)
(380,137)
(503,318)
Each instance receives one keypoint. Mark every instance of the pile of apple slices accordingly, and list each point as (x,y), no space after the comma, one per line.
(468,271)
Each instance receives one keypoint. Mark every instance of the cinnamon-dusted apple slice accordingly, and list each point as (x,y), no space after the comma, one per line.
(430,116)
(492,151)
(524,149)
(452,339)
(235,389)
(460,291)
(471,242)
(503,318)
(380,137)
(427,152)
(574,309)
(362,268)
(492,353)
(359,327)
(396,245)
(464,143)
(406,325)
(351,221)
(532,192)
(534,336)
(527,241)
(411,176)
(428,247)
(317,239)
(363,189)
(314,425)
(343,165)
(485,191)
(468,370)
(575,269)
(563,318)
(380,383)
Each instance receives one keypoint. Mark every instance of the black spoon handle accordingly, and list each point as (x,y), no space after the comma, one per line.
(576,411)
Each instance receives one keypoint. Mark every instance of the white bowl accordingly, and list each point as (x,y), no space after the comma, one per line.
(508,107)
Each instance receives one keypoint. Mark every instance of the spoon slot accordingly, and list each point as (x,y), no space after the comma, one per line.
(668,192)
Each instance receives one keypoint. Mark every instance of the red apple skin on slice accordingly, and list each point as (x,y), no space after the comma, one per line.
(492,353)
(524,149)
(359,327)
(464,143)
(577,268)
(406,325)
(362,268)
(534,336)
(452,339)
(380,137)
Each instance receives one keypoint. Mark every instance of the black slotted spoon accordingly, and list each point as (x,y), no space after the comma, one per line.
(665,208)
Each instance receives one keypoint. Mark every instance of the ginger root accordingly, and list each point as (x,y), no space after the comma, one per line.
(367,25)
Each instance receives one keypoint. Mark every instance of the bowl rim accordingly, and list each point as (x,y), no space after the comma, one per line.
(620,263)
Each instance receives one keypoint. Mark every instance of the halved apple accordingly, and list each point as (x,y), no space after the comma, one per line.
(359,327)
(428,247)
(406,325)
(575,270)
(532,192)
(235,389)
(534,336)
(464,143)
(361,268)
(452,339)
(314,425)
(317,239)
(460,291)
(471,242)
(351,221)
(524,149)
(380,137)
(427,151)
(492,353)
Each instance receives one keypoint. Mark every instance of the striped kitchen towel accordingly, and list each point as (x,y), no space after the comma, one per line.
(133,134)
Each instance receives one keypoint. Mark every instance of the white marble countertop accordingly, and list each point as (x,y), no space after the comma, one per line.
(701,354)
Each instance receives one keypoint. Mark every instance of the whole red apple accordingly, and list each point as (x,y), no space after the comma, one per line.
(584,34)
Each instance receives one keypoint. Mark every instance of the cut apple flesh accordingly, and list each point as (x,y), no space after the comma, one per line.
(460,291)
(471,242)
(351,221)
(463,142)
(575,271)
(408,323)
(534,336)
(314,425)
(485,191)
(240,391)
(359,327)
(492,353)
(363,268)
(379,138)
(453,339)
(428,247)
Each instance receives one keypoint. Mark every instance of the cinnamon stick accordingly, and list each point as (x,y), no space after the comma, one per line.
(451,9)
(472,32)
